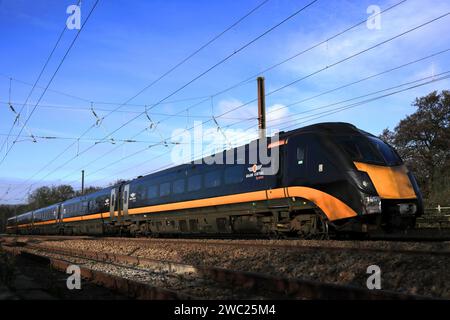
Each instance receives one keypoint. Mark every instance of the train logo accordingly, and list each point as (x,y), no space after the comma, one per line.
(254,170)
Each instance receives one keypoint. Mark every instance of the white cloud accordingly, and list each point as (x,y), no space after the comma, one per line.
(276,115)
(234,110)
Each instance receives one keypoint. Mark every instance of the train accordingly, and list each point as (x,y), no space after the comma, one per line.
(330,179)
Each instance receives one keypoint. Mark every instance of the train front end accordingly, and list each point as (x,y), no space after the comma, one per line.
(389,194)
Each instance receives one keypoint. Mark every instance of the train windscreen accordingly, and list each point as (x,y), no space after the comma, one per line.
(368,149)
(389,154)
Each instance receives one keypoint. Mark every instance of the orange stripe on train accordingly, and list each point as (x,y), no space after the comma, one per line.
(333,208)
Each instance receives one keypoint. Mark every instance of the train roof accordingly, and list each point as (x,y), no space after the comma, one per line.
(327,128)
(88,196)
(47,207)
(24,214)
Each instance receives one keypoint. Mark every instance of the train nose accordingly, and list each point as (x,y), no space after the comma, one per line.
(389,182)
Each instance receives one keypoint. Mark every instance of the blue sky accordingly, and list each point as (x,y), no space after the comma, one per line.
(128,44)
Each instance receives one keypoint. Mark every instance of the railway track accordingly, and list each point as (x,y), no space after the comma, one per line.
(420,234)
(299,245)
(145,278)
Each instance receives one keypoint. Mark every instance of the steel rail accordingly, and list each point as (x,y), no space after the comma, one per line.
(355,246)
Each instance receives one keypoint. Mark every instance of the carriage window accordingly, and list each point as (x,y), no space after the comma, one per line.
(234,175)
(152,192)
(164,189)
(178,186)
(101,203)
(212,179)
(300,155)
(140,192)
(195,183)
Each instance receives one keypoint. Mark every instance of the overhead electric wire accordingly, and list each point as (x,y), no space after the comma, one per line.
(197,77)
(442,74)
(363,79)
(251,78)
(161,77)
(98,102)
(349,84)
(51,78)
(339,62)
(87,109)
(207,98)
(218,63)
(36,82)
(83,139)
(340,109)
(49,90)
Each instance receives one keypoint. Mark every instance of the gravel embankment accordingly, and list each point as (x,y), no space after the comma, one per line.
(188,283)
(410,273)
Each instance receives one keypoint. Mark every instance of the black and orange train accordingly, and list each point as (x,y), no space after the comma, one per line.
(333,178)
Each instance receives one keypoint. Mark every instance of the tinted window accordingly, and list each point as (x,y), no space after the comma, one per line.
(359,148)
(195,183)
(164,189)
(101,203)
(234,174)
(212,179)
(178,186)
(152,192)
(93,206)
(389,154)
(300,155)
(140,192)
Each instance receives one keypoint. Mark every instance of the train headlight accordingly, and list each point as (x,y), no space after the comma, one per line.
(407,208)
(372,204)
(363,182)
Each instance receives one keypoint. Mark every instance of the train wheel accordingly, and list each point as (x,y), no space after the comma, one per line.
(313,226)
(320,229)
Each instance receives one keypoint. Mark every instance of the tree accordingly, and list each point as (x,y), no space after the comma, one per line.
(45,196)
(423,141)
(87,190)
(117,182)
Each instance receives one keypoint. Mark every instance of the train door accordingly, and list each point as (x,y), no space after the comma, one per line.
(125,197)
(56,216)
(296,160)
(59,221)
(112,205)
(62,212)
